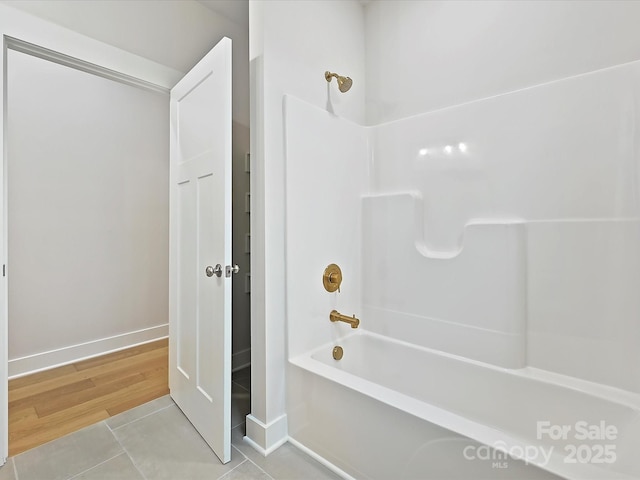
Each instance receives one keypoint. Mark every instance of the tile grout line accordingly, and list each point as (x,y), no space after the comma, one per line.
(107,460)
(97,465)
(252,462)
(259,468)
(234,468)
(139,418)
(124,449)
(135,465)
(240,452)
(241,423)
(126,452)
(15,469)
(246,459)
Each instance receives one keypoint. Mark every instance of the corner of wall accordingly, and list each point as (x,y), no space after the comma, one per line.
(272,24)
(265,438)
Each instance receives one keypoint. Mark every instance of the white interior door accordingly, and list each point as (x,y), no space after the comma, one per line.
(200,240)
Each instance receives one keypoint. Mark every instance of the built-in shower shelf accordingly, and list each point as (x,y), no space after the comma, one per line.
(468,302)
(502,296)
(413,216)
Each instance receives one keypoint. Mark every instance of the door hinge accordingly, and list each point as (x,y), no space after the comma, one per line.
(4,270)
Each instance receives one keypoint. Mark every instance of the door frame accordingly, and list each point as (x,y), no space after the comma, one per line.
(41,38)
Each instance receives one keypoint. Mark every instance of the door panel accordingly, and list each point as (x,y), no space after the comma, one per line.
(200,305)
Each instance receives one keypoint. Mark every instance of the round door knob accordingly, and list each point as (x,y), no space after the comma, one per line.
(210,271)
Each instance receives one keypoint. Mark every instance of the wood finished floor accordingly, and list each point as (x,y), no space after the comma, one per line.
(50,404)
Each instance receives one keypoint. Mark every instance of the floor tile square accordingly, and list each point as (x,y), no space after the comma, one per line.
(164,445)
(67,456)
(285,463)
(118,468)
(246,471)
(7,471)
(139,412)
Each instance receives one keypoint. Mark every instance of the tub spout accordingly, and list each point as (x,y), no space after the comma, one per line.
(336,316)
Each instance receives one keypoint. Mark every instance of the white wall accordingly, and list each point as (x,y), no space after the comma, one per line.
(292,44)
(87,213)
(175,33)
(424,55)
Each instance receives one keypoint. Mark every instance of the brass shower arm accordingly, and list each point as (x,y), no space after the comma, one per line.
(328,75)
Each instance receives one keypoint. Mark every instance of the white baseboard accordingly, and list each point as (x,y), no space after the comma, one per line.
(19,367)
(320,459)
(266,438)
(241,359)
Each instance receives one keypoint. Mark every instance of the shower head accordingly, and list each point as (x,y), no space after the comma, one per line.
(344,83)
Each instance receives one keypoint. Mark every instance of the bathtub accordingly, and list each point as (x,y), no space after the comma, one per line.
(389,409)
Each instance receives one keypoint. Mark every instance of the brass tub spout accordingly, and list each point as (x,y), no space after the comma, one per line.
(336,316)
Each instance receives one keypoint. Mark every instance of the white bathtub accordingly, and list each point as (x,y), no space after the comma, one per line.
(370,416)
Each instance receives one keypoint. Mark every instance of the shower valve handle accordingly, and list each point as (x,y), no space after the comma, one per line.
(332,278)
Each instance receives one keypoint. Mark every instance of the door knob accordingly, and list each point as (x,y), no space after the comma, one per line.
(211,270)
(231,269)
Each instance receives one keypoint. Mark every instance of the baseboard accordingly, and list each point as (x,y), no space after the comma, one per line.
(320,459)
(241,359)
(266,438)
(19,367)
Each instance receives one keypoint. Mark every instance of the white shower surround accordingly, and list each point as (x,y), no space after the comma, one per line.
(557,165)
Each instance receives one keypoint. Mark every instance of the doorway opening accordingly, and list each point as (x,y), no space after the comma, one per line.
(109,219)
(87,165)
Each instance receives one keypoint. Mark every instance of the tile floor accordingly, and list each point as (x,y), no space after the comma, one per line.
(156,441)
